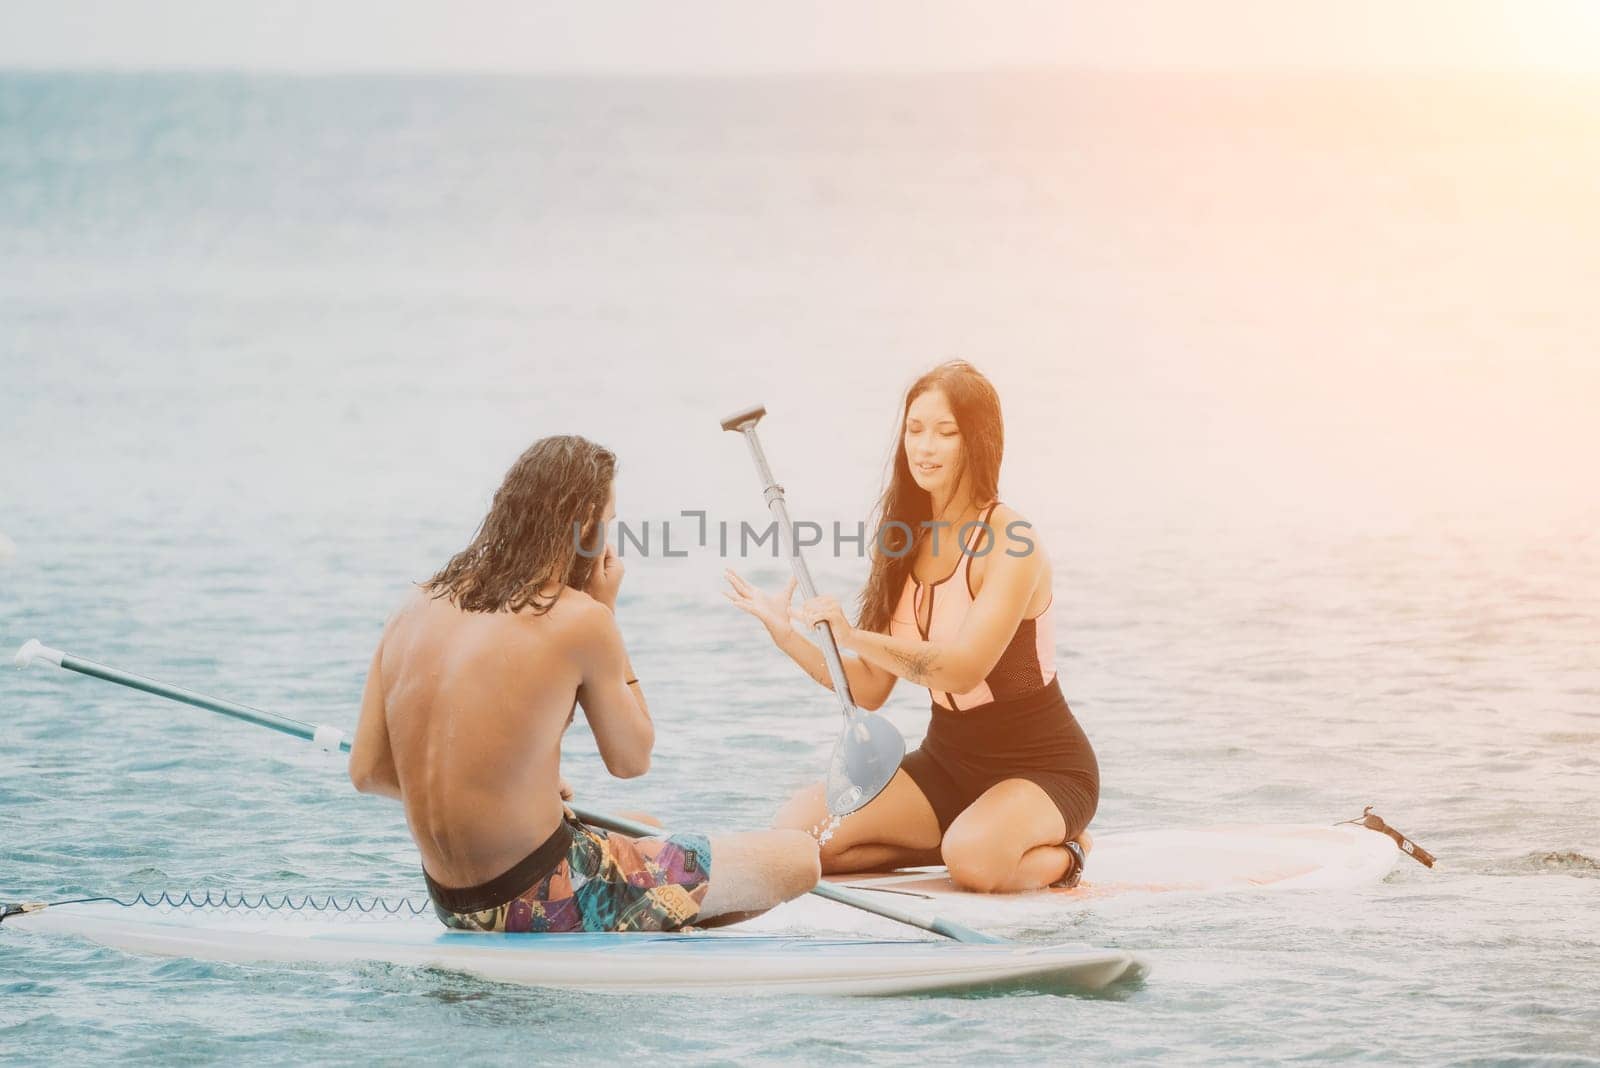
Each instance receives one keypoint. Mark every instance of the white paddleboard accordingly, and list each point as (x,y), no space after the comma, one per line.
(710,962)
(1128,866)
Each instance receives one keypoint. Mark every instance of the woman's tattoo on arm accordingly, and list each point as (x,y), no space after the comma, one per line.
(918,666)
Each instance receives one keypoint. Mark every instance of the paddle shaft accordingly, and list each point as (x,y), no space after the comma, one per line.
(329,738)
(808,589)
(332,738)
(869,751)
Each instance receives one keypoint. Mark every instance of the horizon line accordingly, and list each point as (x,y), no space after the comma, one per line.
(597,73)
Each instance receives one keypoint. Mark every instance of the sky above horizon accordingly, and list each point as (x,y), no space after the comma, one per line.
(763,36)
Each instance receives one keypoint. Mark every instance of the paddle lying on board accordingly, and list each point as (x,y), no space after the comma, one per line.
(870,748)
(334,740)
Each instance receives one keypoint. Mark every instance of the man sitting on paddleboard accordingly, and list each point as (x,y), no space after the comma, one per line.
(476,679)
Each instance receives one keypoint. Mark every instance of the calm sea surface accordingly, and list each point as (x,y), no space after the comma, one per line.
(1299,380)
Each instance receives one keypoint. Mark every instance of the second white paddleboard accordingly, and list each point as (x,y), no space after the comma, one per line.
(1131,864)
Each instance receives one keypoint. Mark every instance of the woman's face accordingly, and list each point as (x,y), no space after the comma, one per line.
(932,442)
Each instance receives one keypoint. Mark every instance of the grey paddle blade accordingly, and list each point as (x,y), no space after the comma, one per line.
(865,758)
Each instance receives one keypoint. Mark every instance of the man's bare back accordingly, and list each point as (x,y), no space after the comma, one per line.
(476,705)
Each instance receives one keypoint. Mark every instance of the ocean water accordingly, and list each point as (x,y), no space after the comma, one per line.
(1299,378)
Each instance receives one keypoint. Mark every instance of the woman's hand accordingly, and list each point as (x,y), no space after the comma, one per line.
(606,578)
(771,608)
(566,795)
(824,609)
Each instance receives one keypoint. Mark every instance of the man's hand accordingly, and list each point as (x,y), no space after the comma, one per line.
(566,795)
(606,578)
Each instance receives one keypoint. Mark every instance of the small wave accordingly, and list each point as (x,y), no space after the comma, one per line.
(1561,860)
(147,874)
(1573,737)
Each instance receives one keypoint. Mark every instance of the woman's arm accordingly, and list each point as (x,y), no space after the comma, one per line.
(869,685)
(958,664)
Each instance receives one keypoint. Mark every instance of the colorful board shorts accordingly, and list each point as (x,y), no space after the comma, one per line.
(586,879)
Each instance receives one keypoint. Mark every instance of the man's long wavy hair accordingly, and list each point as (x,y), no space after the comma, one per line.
(527,541)
(976,406)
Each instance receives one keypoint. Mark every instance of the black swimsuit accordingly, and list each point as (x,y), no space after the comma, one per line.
(1033,737)
(1015,725)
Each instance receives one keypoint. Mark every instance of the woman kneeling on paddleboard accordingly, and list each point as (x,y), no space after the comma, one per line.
(958,600)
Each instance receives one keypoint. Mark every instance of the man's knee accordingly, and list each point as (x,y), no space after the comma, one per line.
(805,811)
(791,818)
(803,865)
(765,866)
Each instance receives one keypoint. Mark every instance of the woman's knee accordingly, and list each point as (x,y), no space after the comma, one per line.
(974,864)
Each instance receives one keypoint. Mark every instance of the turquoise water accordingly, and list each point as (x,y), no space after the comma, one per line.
(1297,384)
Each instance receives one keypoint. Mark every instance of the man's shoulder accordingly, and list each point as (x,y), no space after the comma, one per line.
(575,629)
(574,612)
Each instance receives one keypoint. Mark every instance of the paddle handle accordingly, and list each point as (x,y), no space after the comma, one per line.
(744,422)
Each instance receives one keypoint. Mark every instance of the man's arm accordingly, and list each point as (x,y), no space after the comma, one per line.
(614,706)
(372,768)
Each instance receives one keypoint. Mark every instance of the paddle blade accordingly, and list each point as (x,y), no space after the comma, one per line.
(865,758)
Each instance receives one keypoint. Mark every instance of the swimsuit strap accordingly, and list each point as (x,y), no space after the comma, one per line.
(967,555)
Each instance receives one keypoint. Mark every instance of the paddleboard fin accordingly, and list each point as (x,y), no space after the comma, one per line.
(1372,821)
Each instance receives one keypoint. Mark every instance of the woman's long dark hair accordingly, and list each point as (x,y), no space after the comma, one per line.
(527,541)
(976,406)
